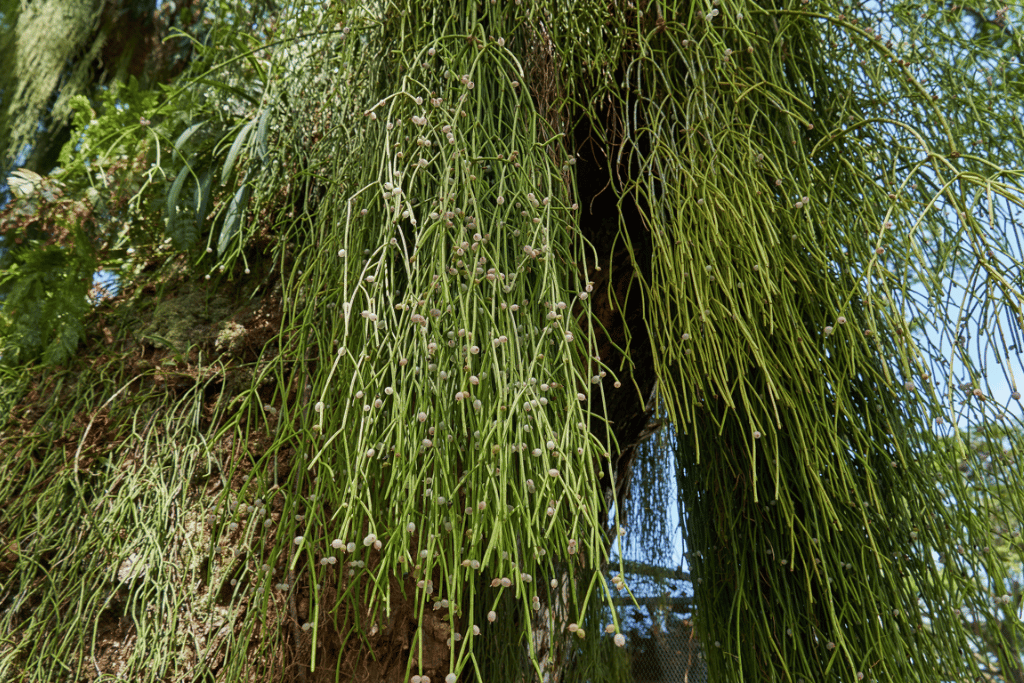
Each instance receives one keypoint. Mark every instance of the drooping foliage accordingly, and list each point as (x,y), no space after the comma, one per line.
(817,208)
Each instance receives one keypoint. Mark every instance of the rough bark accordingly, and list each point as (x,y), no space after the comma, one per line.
(624,344)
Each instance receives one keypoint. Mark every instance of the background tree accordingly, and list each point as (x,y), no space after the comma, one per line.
(405,287)
(53,54)
(54,51)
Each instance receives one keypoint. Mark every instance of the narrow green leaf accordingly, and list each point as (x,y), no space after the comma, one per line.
(236,148)
(204,197)
(172,207)
(233,219)
(261,134)
(179,144)
(221,85)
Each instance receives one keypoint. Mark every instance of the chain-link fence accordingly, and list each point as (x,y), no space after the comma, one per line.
(662,645)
